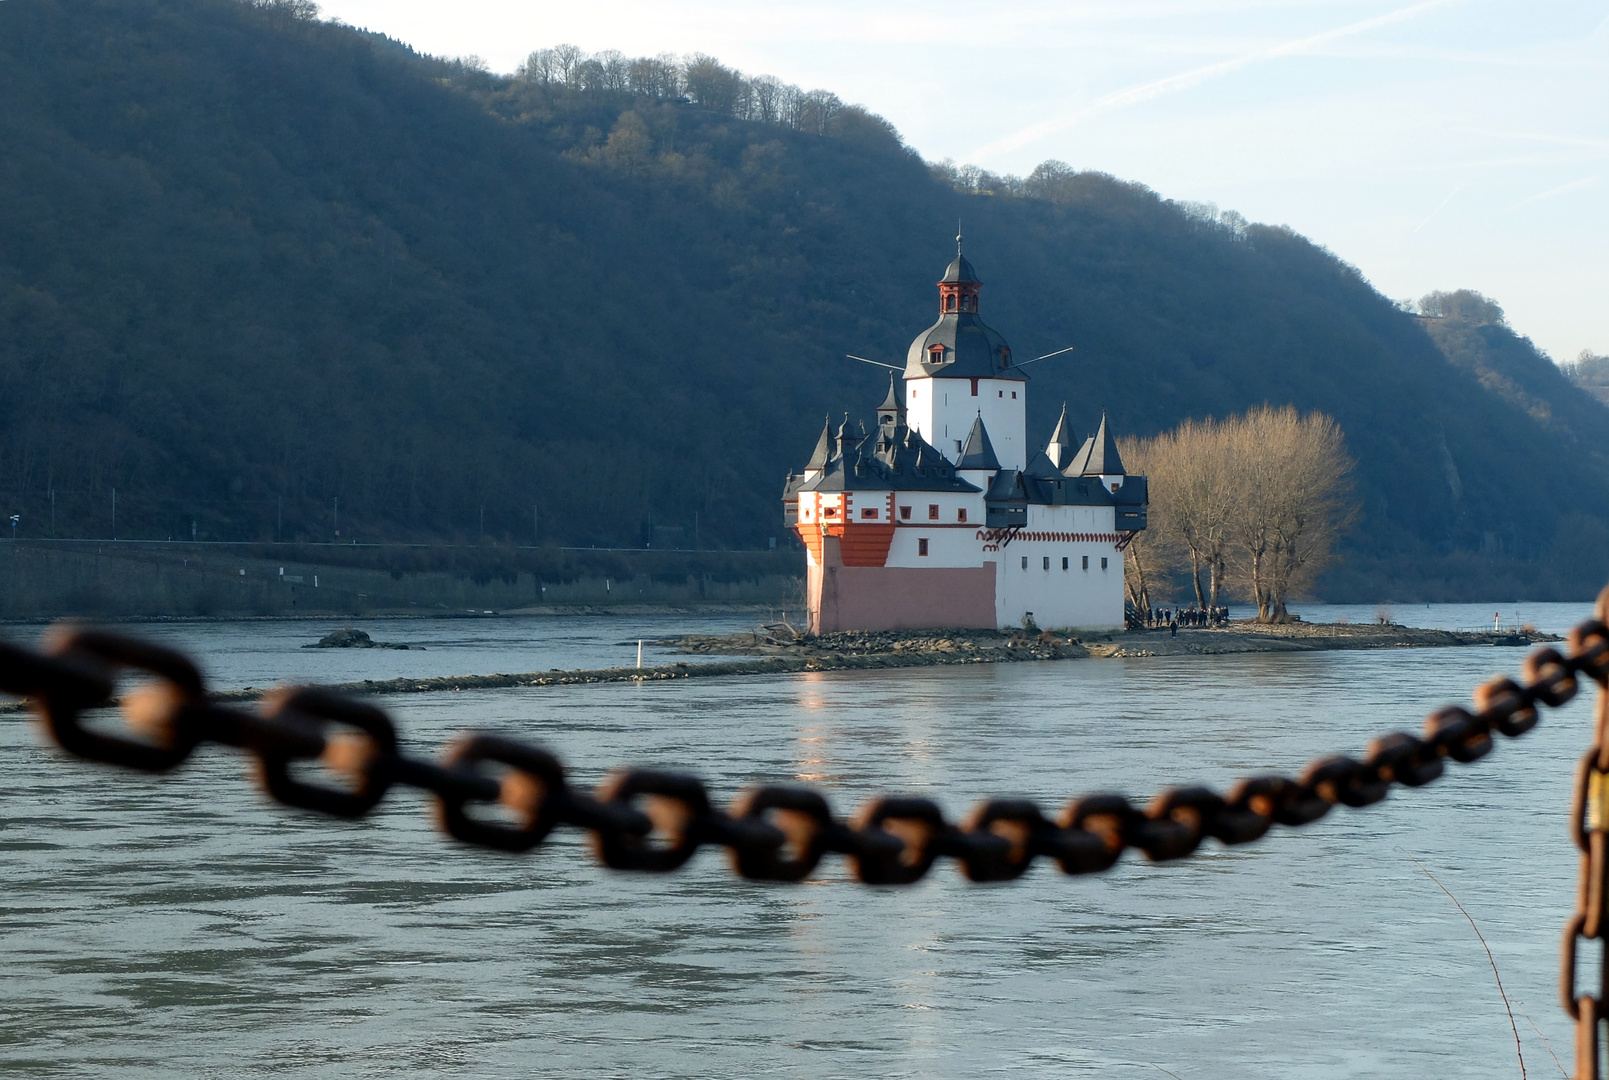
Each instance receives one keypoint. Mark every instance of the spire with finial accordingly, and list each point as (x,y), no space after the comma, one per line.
(892,410)
(958,289)
(823,453)
(1063,442)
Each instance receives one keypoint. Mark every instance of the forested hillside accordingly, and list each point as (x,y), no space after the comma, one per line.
(257,271)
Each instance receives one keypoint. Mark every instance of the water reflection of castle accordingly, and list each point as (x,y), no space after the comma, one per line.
(938,519)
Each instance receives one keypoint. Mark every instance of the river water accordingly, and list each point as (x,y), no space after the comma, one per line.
(183,926)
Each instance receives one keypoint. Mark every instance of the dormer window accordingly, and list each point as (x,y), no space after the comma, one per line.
(935,354)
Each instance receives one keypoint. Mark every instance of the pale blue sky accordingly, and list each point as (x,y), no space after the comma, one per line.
(1434,145)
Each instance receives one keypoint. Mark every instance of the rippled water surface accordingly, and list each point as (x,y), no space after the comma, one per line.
(182,926)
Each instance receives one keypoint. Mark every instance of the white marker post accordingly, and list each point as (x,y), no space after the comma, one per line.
(639,652)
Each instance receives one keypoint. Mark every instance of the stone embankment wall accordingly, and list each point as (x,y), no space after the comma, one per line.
(48,579)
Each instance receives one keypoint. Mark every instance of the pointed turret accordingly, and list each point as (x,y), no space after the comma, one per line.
(892,410)
(1063,442)
(978,452)
(846,437)
(1103,458)
(1076,466)
(823,452)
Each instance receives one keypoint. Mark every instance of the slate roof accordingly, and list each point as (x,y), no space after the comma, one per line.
(894,402)
(972,349)
(1063,442)
(894,458)
(823,451)
(1103,458)
(978,452)
(958,271)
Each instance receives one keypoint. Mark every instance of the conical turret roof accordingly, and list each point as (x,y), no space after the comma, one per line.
(823,451)
(978,453)
(1103,458)
(1063,442)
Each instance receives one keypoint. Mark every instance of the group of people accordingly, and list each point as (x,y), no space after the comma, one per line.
(1171,618)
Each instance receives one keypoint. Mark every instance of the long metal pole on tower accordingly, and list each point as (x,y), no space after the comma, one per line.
(337,515)
(114,513)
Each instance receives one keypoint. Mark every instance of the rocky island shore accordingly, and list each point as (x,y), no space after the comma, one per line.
(780,649)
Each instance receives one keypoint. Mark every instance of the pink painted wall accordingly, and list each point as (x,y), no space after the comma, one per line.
(901,598)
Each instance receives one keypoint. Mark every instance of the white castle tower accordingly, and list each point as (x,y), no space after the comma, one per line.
(961,370)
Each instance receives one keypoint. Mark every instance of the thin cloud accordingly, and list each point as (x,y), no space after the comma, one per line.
(1562,189)
(1190,79)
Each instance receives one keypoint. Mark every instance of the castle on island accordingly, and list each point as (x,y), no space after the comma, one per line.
(940,518)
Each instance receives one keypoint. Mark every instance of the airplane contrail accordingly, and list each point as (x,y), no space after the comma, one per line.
(1574,185)
(1439,208)
(1195,77)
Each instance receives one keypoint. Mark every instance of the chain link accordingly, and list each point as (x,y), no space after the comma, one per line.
(1589,826)
(506,795)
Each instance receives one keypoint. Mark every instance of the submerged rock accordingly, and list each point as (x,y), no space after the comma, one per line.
(352,639)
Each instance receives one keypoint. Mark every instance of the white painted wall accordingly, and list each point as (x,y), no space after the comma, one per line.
(949,546)
(1071,598)
(948,502)
(942,410)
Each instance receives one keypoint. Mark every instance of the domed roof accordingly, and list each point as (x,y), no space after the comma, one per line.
(960,345)
(970,350)
(959,270)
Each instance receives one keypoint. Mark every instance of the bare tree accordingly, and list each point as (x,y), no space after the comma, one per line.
(566,59)
(765,92)
(615,70)
(1150,558)
(653,77)
(712,84)
(1194,501)
(541,68)
(1292,476)
(588,76)
(816,111)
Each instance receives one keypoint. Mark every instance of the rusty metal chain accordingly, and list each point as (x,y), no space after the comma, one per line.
(1589,825)
(648,820)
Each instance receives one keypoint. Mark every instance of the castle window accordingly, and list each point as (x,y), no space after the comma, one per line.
(1064,562)
(1103,564)
(1000,393)
(932,511)
(1086,562)
(905,513)
(829,511)
(1025,562)
(974,388)
(921,545)
(961,514)
(1047,562)
(868,513)
(1013,395)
